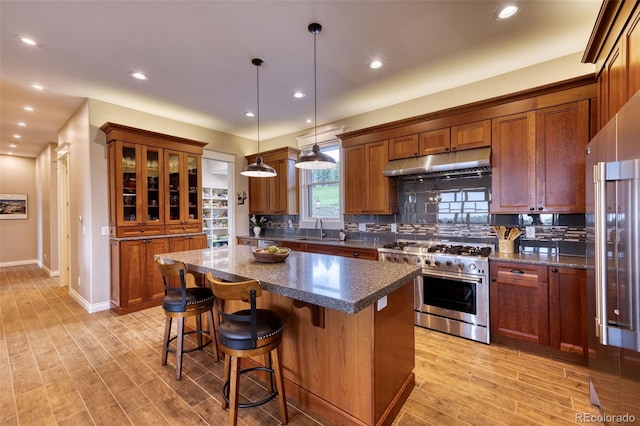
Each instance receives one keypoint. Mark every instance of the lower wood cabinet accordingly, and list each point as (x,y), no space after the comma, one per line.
(359,253)
(540,308)
(136,283)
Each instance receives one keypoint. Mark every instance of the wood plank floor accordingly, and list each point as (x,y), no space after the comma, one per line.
(61,365)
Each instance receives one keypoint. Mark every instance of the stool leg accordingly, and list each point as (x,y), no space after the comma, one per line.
(282,400)
(180,342)
(233,391)
(165,342)
(212,335)
(199,329)
(226,378)
(269,377)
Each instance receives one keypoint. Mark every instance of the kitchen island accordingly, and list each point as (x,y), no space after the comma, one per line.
(348,348)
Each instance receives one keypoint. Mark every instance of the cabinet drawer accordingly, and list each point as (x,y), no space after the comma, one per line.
(357,253)
(247,242)
(139,231)
(184,229)
(320,248)
(517,271)
(292,245)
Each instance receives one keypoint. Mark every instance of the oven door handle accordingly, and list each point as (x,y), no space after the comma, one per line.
(475,280)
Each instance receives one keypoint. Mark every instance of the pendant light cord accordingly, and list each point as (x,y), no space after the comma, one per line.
(315,90)
(258,100)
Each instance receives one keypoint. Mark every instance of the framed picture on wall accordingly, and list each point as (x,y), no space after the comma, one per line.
(13,206)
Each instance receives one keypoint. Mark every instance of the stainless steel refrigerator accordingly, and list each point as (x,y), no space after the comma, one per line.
(613,253)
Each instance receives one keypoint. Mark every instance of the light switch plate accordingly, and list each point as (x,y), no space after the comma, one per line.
(105,231)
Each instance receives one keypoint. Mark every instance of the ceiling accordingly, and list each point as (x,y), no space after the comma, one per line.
(198,54)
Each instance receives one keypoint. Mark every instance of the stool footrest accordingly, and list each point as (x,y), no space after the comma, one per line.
(197,348)
(225,388)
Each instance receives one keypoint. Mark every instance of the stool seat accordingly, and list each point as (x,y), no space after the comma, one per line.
(237,334)
(173,302)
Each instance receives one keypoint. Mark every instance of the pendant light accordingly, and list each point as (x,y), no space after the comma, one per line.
(315,160)
(258,169)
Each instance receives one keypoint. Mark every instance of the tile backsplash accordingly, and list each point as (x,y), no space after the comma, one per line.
(454,209)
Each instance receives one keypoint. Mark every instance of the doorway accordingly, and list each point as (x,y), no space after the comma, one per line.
(63,215)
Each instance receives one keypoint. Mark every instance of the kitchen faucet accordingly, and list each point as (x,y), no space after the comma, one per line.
(318,220)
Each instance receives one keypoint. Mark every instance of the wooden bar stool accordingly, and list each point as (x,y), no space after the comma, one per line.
(183,300)
(247,333)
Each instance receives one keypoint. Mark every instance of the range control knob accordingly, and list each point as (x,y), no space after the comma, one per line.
(418,260)
(461,266)
(472,266)
(437,263)
(388,258)
(427,262)
(449,263)
(405,260)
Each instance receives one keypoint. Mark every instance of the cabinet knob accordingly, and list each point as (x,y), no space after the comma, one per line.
(493,279)
(554,270)
(446,149)
(356,254)
(531,209)
(540,208)
(142,230)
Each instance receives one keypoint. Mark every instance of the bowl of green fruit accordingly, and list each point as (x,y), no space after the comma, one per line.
(271,254)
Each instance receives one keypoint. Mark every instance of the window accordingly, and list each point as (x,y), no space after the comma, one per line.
(320,193)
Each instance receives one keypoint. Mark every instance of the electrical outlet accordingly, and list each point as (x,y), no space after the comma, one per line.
(381,303)
(105,230)
(530,231)
(362,227)
(394,227)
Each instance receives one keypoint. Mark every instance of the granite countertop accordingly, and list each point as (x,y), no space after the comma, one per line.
(566,261)
(340,283)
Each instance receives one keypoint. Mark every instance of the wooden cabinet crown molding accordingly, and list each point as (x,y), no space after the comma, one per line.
(540,97)
(146,137)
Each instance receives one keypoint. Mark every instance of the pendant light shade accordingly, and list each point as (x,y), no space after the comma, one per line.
(259,168)
(315,160)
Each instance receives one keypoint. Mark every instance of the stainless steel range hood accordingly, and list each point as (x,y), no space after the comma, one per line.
(454,163)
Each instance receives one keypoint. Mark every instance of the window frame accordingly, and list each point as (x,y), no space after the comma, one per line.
(306,220)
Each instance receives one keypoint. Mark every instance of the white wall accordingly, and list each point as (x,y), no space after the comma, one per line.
(47,194)
(19,237)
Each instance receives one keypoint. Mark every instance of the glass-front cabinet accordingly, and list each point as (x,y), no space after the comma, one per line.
(135,182)
(183,182)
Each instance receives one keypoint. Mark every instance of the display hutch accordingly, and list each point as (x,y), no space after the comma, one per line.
(154,200)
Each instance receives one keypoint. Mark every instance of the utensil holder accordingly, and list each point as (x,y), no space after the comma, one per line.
(506,246)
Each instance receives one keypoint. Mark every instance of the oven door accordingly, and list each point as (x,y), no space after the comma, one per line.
(462,298)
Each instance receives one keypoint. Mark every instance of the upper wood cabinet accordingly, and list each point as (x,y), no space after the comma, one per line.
(278,194)
(464,136)
(403,147)
(615,49)
(154,182)
(471,135)
(367,191)
(538,160)
(435,141)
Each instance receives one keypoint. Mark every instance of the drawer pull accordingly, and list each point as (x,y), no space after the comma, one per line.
(517,271)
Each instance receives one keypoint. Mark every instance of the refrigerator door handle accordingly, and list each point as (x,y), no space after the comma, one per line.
(600,231)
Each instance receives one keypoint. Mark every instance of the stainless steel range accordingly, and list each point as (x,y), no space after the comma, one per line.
(452,294)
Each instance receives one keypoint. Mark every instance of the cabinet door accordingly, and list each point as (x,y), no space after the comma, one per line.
(173,184)
(355,169)
(568,310)
(633,55)
(182,186)
(518,302)
(403,147)
(471,135)
(377,188)
(562,134)
(513,174)
(133,269)
(192,172)
(153,201)
(128,184)
(435,141)
(258,195)
(247,242)
(154,284)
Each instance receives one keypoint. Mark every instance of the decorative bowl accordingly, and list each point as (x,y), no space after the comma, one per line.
(263,255)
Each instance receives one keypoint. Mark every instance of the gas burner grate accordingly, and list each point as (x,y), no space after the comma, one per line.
(460,250)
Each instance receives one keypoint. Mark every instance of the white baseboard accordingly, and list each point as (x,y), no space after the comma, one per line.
(48,271)
(91,308)
(19,263)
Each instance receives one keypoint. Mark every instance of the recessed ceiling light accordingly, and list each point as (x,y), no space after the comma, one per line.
(375,64)
(22,124)
(28,108)
(37,86)
(139,76)
(13,145)
(508,12)
(249,114)
(17,136)
(29,41)
(9,153)
(298,95)
(309,120)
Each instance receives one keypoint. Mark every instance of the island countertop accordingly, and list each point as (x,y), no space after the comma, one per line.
(341,283)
